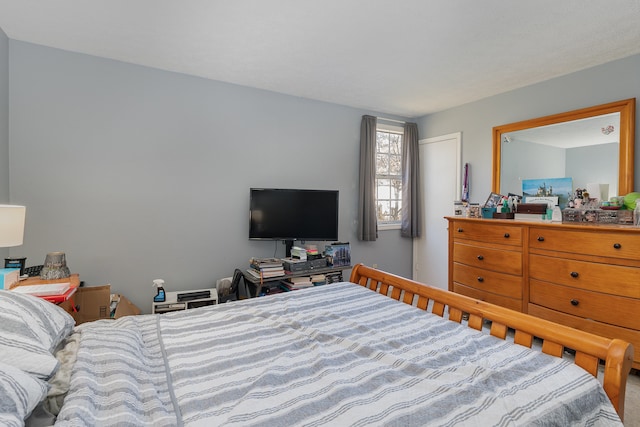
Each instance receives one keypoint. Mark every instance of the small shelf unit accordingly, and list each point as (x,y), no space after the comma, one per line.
(171,302)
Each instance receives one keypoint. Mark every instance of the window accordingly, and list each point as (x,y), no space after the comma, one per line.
(388,178)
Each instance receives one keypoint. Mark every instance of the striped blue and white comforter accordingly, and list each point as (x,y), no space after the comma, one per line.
(336,355)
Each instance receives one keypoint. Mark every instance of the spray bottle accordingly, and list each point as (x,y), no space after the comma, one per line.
(160,297)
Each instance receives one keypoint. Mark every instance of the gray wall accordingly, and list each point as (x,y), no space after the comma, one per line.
(598,85)
(4,125)
(4,118)
(137,173)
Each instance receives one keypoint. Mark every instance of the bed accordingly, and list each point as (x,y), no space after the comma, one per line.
(378,350)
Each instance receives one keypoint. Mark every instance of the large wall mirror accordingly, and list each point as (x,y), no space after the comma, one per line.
(590,145)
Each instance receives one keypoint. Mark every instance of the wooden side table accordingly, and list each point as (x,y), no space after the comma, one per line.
(65,302)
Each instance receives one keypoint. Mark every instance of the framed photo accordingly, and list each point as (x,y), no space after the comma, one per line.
(562,188)
(493,200)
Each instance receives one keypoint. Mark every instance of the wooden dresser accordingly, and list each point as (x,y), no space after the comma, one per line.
(584,276)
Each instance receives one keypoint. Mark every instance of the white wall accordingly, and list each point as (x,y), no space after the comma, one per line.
(138,173)
(598,85)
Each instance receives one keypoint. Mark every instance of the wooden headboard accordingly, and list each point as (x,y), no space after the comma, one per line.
(589,349)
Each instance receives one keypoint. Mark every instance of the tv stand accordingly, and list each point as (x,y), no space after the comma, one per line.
(256,286)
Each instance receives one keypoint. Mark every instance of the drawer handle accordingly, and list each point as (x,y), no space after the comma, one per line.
(574,274)
(480,257)
(460,230)
(575,302)
(480,279)
(617,245)
(506,235)
(540,239)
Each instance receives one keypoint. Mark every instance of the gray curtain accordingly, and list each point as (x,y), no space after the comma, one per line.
(368,222)
(411,203)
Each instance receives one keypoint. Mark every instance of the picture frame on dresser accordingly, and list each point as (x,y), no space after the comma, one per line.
(493,200)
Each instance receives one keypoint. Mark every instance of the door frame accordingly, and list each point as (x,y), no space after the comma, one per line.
(458,137)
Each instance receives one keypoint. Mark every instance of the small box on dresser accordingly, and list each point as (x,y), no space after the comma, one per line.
(572,215)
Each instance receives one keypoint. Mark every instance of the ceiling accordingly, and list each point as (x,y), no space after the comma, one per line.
(401,57)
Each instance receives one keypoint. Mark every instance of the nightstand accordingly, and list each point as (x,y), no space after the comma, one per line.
(63,301)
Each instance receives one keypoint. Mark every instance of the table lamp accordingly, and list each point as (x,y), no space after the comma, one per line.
(11,225)
(12,228)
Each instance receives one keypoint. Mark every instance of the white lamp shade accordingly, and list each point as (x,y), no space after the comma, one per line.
(11,225)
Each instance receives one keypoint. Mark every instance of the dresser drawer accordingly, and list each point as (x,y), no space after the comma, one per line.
(598,243)
(488,258)
(512,303)
(484,231)
(604,308)
(487,280)
(605,278)
(598,328)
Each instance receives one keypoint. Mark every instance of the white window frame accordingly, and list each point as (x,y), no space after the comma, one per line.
(385,127)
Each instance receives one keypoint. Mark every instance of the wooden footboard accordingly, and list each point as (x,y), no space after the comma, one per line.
(589,349)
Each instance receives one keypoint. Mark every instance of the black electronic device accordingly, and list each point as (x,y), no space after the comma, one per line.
(190,296)
(34,270)
(293,214)
(15,263)
(295,266)
(196,304)
(317,263)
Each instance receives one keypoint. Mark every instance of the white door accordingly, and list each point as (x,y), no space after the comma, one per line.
(440,169)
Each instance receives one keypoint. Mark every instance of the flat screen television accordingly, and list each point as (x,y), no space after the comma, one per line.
(293,214)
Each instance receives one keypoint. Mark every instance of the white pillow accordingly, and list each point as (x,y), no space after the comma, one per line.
(19,394)
(30,329)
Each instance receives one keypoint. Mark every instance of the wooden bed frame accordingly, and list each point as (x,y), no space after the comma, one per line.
(589,349)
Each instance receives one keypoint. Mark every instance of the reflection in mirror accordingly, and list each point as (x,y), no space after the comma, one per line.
(586,150)
(591,145)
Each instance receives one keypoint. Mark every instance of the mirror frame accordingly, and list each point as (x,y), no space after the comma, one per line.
(627,110)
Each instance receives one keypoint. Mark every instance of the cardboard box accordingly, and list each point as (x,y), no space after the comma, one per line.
(123,307)
(95,303)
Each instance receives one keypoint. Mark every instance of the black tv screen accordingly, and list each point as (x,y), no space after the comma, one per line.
(293,214)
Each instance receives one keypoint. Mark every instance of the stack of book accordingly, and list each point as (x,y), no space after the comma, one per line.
(312,250)
(318,279)
(294,283)
(264,268)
